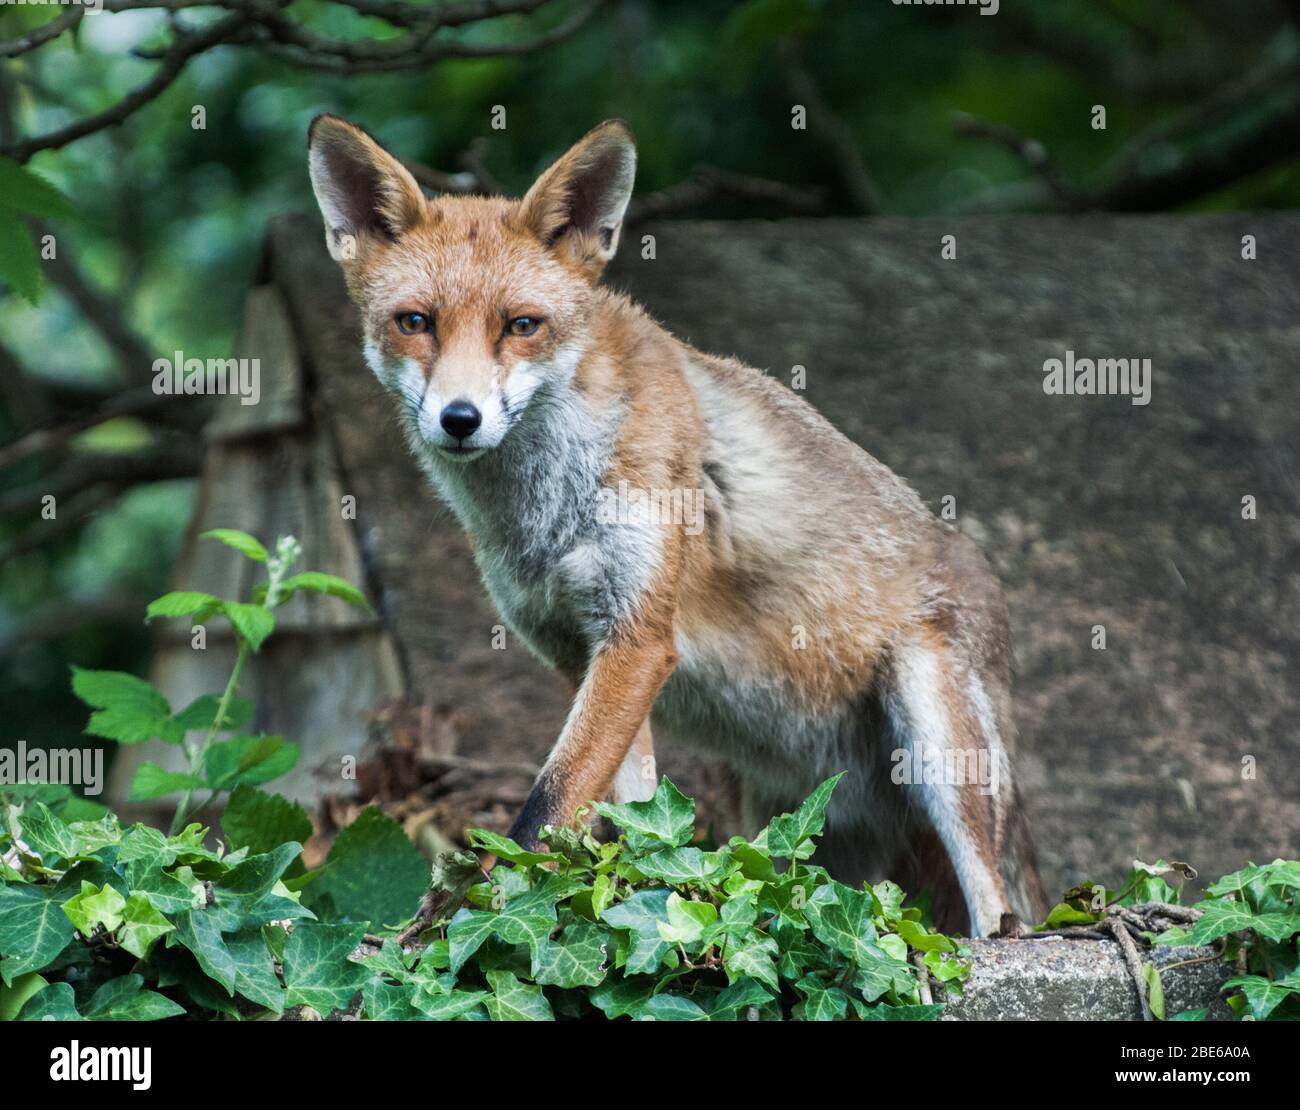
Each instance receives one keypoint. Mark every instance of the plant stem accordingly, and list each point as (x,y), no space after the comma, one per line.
(196,757)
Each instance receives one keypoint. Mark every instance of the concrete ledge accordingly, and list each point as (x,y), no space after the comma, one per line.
(1056,979)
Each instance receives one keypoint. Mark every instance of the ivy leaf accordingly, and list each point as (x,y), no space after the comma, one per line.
(240,541)
(259,821)
(48,836)
(755,958)
(33,928)
(95,906)
(512,1000)
(449,1006)
(687,920)
(821,1001)
(1219,918)
(917,937)
(579,957)
(152,781)
(467,932)
(142,848)
(896,1013)
(255,976)
(248,759)
(1283,873)
(253,622)
(142,925)
(122,999)
(741,995)
(841,917)
(877,975)
(390,1002)
(167,892)
(684,865)
(242,889)
(317,582)
(317,971)
(788,835)
(1237,881)
(1262,995)
(53,1003)
(671,1007)
(619,997)
(200,932)
(666,820)
(504,848)
(14,998)
(641,914)
(1064,914)
(373,872)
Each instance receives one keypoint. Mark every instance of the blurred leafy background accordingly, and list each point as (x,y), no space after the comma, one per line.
(162,233)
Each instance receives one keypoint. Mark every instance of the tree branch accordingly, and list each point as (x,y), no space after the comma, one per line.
(182,49)
(708,183)
(118,470)
(857,180)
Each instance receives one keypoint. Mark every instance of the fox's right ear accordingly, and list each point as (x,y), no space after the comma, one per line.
(361,188)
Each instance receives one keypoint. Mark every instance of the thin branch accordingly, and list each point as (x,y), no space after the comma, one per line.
(839,140)
(293,43)
(474,160)
(141,402)
(707,183)
(1028,150)
(58,618)
(182,49)
(118,470)
(104,315)
(436,181)
(39,36)
(72,516)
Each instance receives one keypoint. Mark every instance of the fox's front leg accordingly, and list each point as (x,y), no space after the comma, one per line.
(607,724)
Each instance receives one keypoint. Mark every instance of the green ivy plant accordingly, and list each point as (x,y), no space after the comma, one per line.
(1254,914)
(104,922)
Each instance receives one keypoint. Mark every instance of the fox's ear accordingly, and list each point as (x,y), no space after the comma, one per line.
(577,205)
(362,190)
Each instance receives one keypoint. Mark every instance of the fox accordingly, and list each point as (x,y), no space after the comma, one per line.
(812,617)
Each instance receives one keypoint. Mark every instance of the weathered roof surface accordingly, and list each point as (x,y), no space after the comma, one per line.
(1094,511)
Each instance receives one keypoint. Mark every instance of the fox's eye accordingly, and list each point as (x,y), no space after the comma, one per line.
(411,323)
(523,325)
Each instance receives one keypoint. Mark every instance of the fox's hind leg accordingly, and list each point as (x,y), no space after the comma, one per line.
(955,774)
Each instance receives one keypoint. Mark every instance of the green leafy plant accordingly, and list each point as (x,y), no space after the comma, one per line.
(100,921)
(1253,915)
(129,710)
(104,922)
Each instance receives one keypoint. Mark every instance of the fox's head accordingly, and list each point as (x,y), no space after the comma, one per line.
(472,307)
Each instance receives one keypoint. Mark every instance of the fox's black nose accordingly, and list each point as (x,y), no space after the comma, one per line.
(460,419)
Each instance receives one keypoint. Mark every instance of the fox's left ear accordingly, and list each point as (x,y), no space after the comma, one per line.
(362,190)
(577,205)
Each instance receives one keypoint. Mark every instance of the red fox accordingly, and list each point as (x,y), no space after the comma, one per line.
(811,616)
